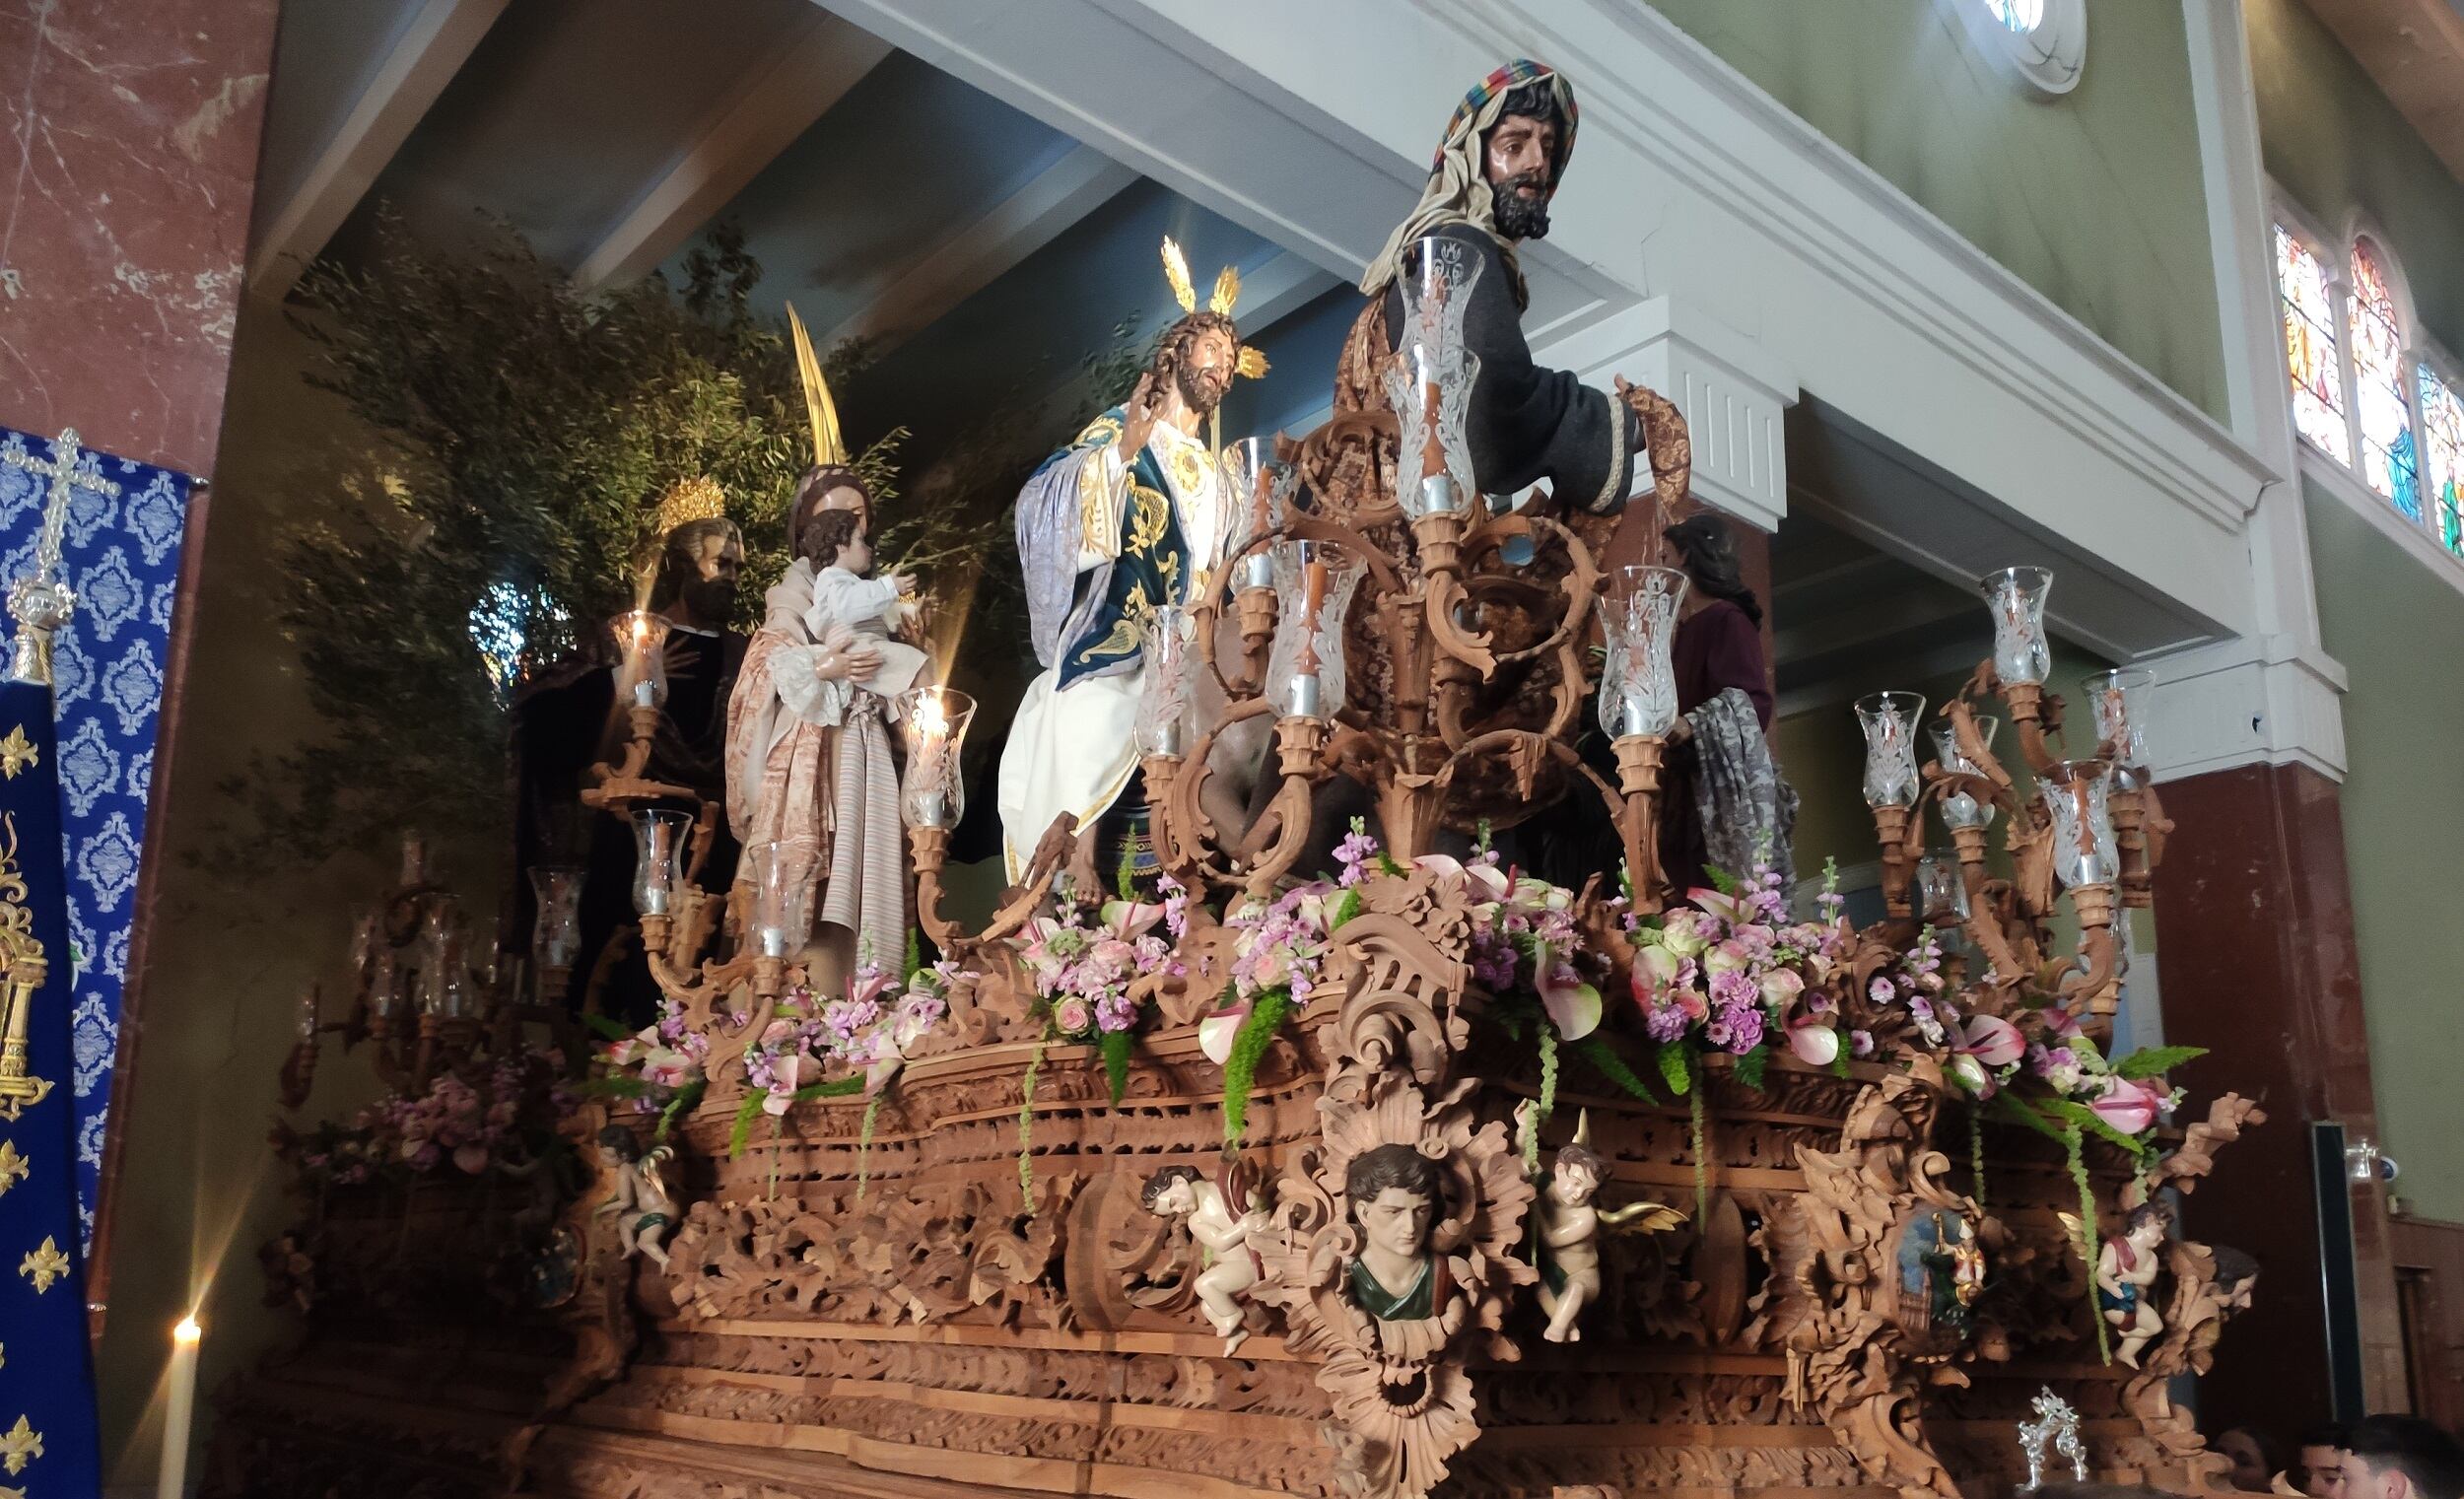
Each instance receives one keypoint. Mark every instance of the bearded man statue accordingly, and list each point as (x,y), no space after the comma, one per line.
(1130,518)
(1504,155)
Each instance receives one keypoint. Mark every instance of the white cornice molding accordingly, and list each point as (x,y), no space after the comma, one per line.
(1734,395)
(2246,701)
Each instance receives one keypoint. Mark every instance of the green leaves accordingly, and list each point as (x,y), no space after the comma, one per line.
(606,1027)
(1676,1066)
(1750,1066)
(2150,1062)
(1249,1047)
(742,1131)
(686,1099)
(1597,1051)
(1116,1046)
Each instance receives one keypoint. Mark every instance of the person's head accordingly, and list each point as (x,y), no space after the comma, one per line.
(618,1142)
(837,539)
(1575,1175)
(1522,156)
(1197,359)
(2146,1224)
(825,488)
(2321,1457)
(1706,549)
(1172,1192)
(698,563)
(2236,1279)
(2402,1456)
(2253,1457)
(1395,1195)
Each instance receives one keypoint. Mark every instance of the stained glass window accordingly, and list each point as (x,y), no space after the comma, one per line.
(2018,15)
(2310,347)
(2381,394)
(2442,431)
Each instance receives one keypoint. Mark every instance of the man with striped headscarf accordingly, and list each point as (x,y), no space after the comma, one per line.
(1505,151)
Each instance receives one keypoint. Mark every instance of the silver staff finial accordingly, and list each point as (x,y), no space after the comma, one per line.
(2058,1424)
(41,602)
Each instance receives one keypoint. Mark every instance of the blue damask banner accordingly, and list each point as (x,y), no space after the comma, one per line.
(121,548)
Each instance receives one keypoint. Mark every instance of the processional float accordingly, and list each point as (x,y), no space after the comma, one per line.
(1350,1185)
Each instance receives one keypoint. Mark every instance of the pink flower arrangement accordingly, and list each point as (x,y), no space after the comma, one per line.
(1731,973)
(1082,971)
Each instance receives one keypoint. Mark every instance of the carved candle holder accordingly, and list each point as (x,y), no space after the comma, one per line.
(1253,611)
(1300,755)
(622,787)
(1638,779)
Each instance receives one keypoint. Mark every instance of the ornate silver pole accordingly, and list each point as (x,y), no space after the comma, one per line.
(41,602)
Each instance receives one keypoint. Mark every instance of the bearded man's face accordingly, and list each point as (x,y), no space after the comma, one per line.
(1517,161)
(1205,370)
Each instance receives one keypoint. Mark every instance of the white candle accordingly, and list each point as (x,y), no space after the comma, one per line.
(179,1408)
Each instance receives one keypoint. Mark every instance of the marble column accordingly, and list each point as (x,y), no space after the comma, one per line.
(129,169)
(2254,900)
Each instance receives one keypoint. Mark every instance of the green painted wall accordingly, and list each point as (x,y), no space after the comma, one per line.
(2403,806)
(2094,199)
(2336,143)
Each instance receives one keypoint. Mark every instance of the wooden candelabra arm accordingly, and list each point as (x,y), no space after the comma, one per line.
(1638,779)
(2034,713)
(1973,748)
(928,851)
(2098,978)
(1439,537)
(1300,744)
(1982,927)
(1902,832)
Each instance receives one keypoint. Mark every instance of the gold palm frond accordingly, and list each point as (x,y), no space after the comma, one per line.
(1176,272)
(1227,292)
(828,446)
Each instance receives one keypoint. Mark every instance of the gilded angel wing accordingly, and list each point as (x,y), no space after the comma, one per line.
(1642,1218)
(1176,272)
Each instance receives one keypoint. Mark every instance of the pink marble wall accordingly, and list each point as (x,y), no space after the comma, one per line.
(127,168)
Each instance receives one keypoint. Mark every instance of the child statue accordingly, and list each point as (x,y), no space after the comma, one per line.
(2126,1271)
(645,1209)
(873,609)
(1567,1226)
(1396,1195)
(1223,1233)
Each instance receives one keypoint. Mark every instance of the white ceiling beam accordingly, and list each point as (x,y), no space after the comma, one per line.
(1276,290)
(976,254)
(763,116)
(421,60)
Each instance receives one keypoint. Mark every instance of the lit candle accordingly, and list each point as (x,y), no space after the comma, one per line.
(932,749)
(643,637)
(644,688)
(178,1410)
(308,1016)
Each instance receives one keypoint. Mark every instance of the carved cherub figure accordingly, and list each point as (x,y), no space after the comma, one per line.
(2126,1271)
(645,1209)
(1568,1227)
(1222,1222)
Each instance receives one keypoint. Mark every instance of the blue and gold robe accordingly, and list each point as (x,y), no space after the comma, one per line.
(1103,544)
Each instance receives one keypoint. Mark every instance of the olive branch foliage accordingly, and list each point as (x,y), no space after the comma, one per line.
(523,431)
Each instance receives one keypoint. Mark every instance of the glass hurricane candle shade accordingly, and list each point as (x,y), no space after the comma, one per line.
(1429,378)
(1163,717)
(1638,611)
(778,872)
(1942,893)
(307,1018)
(556,930)
(1313,590)
(383,988)
(442,989)
(935,720)
(2119,701)
(658,842)
(2076,793)
(641,674)
(2016,597)
(1889,720)
(1959,809)
(366,942)
(414,860)
(1260,487)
